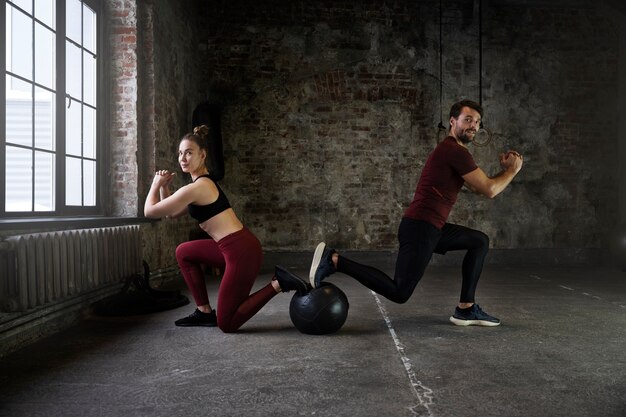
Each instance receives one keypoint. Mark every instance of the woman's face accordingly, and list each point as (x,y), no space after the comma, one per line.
(190,157)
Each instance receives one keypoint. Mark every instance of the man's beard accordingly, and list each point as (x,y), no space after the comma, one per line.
(464,138)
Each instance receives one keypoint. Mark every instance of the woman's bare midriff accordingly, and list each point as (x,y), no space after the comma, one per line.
(222,225)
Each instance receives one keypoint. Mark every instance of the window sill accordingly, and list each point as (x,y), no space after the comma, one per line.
(61,223)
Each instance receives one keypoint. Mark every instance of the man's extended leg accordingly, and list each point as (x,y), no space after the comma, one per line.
(417,240)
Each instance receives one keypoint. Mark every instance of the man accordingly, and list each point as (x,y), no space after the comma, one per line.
(424,228)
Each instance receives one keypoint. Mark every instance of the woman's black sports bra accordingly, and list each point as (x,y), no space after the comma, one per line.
(203,213)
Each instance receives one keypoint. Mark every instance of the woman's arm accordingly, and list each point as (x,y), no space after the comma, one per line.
(159,203)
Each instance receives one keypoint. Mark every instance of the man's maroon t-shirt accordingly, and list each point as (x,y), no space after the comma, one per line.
(440,182)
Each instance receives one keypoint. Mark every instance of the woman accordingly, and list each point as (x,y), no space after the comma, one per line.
(232,248)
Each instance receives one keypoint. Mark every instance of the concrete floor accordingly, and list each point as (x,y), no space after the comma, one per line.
(559,352)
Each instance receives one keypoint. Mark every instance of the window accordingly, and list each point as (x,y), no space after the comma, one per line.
(50,150)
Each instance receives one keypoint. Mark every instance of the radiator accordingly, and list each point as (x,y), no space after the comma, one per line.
(44,268)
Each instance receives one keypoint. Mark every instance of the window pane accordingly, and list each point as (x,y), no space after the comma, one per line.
(44,181)
(18,179)
(19,112)
(89,29)
(44,119)
(73,178)
(20,49)
(73,129)
(46,12)
(89,132)
(73,78)
(18,89)
(44,56)
(89,89)
(73,19)
(24,4)
(89,183)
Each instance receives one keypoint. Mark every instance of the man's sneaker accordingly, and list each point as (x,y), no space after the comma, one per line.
(290,282)
(322,265)
(198,318)
(473,316)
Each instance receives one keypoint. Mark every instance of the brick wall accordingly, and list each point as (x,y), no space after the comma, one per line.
(331,108)
(123,127)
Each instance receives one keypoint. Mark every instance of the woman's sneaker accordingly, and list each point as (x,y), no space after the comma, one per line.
(198,318)
(473,316)
(290,282)
(322,265)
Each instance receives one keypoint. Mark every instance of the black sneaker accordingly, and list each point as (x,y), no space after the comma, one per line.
(290,282)
(473,316)
(322,265)
(198,318)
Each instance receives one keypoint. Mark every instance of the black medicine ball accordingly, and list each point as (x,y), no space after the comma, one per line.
(322,310)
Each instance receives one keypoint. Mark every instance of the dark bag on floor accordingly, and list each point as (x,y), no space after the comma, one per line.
(137,297)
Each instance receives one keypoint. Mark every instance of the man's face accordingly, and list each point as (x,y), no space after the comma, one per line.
(464,127)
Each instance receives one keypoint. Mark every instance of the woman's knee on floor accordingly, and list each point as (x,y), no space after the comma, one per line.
(226,325)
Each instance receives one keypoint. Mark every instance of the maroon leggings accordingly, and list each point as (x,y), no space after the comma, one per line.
(239,255)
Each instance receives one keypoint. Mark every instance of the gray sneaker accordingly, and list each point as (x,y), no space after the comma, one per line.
(322,265)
